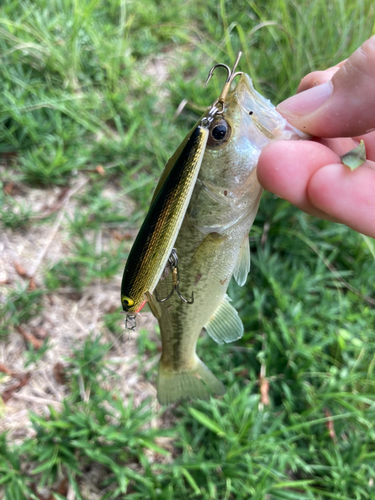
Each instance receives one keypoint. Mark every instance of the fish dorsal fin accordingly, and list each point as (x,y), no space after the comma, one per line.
(225,325)
(243,262)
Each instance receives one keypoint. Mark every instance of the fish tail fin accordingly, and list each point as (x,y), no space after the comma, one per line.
(196,383)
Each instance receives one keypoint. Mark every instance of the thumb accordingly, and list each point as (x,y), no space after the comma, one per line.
(341,107)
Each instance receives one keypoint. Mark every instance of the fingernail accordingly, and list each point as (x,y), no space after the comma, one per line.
(306,102)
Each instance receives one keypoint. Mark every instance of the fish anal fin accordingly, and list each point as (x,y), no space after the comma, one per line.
(225,325)
(243,262)
(197,383)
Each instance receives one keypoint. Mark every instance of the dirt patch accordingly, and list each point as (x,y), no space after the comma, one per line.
(67,319)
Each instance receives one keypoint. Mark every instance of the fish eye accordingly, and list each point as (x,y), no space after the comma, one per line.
(126,302)
(220,133)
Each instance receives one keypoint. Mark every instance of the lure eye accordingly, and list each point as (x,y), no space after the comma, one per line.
(220,133)
(126,302)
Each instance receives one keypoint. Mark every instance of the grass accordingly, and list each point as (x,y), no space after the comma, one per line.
(80,101)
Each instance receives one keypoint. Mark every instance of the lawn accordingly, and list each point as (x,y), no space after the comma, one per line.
(94,98)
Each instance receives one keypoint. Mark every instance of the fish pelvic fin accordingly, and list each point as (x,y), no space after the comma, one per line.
(197,383)
(243,262)
(225,325)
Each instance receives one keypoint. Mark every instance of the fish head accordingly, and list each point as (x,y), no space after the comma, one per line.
(227,189)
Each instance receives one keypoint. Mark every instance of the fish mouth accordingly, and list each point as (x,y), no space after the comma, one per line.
(244,87)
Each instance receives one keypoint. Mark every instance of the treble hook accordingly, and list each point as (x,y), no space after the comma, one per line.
(173,264)
(230,78)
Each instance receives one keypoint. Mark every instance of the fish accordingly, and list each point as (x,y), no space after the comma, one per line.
(212,243)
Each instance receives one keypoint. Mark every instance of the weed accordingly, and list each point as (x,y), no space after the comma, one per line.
(13,214)
(20,306)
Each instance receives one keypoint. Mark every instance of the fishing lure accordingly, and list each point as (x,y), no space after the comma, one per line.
(154,243)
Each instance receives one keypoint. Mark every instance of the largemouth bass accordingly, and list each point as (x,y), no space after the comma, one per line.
(213,241)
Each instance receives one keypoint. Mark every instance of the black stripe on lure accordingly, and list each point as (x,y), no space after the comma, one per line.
(153,248)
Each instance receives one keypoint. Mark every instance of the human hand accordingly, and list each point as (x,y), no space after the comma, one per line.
(336,107)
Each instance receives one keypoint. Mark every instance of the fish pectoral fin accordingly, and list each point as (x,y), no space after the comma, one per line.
(153,304)
(225,325)
(208,249)
(196,383)
(243,262)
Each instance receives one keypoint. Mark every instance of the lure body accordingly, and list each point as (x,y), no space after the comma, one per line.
(155,240)
(212,244)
